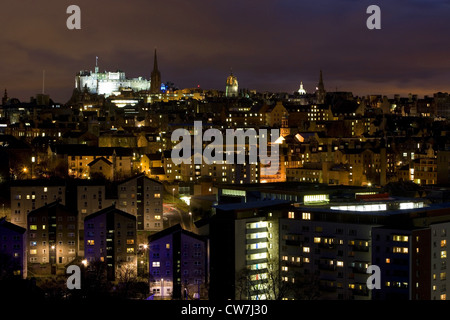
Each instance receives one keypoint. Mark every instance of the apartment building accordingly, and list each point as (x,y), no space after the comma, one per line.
(52,238)
(413,262)
(178,265)
(110,236)
(142,197)
(13,248)
(90,198)
(325,243)
(78,159)
(28,195)
(244,250)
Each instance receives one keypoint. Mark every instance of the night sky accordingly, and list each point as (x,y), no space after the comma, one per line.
(270,45)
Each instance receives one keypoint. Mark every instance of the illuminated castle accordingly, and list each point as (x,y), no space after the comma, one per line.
(108,83)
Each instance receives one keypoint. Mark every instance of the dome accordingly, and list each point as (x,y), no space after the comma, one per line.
(231,87)
(232,80)
(302,90)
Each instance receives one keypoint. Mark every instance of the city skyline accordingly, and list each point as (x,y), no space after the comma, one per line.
(269,46)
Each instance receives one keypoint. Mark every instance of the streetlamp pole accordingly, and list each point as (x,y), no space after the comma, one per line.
(173,195)
(190,220)
(162,289)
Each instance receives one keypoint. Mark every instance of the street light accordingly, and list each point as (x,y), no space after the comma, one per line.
(190,219)
(173,195)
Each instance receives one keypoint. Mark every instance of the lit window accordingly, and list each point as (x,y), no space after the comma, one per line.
(306,216)
(90,242)
(291,215)
(156,264)
(444,254)
(399,250)
(33,251)
(130,250)
(400,238)
(130,241)
(33,227)
(306,249)
(167,245)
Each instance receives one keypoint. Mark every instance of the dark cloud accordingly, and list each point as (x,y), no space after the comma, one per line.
(270,45)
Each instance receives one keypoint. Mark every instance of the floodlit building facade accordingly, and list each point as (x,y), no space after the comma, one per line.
(110,237)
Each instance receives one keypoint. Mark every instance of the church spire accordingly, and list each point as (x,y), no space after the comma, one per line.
(320,93)
(155,62)
(321,86)
(5,98)
(155,77)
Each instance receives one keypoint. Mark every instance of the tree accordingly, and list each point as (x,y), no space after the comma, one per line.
(129,285)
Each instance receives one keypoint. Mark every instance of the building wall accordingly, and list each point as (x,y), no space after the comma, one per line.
(78,166)
(52,237)
(161,268)
(392,253)
(90,199)
(333,255)
(178,266)
(13,242)
(421,264)
(111,237)
(143,198)
(27,198)
(440,281)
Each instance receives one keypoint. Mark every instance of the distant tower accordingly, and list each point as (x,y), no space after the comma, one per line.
(320,92)
(155,77)
(302,90)
(5,98)
(96,64)
(231,87)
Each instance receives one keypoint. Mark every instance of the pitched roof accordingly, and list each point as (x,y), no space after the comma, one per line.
(100,159)
(139,175)
(11,226)
(171,230)
(55,203)
(108,211)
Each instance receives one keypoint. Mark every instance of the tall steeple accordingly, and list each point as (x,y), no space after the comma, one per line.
(155,77)
(320,93)
(5,98)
